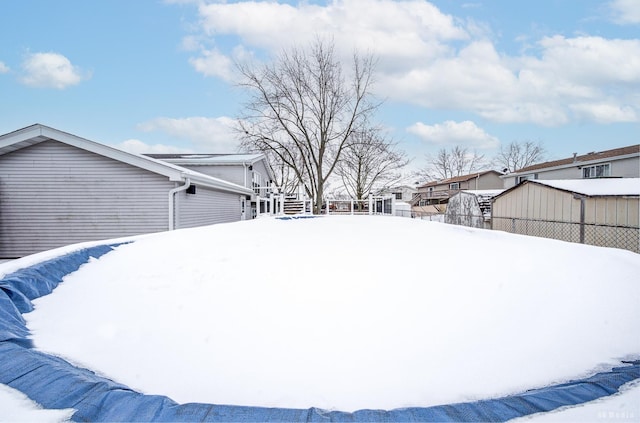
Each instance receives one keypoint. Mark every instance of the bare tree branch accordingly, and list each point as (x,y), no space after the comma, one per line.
(369,163)
(519,154)
(447,164)
(303,112)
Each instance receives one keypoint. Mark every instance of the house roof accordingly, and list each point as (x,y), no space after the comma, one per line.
(633,150)
(38,133)
(462,178)
(206,159)
(597,187)
(483,192)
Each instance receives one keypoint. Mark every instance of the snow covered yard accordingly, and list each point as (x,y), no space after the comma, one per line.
(344,313)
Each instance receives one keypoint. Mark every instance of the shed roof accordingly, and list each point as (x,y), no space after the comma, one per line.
(38,133)
(597,187)
(484,192)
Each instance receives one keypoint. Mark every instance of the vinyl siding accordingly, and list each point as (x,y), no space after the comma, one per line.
(620,168)
(231,173)
(52,194)
(206,207)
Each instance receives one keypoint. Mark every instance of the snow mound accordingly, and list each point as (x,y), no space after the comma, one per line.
(344,312)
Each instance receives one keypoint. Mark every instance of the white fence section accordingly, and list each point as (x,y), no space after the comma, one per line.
(373,205)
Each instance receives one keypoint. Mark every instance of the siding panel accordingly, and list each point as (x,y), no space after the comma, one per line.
(52,194)
(206,207)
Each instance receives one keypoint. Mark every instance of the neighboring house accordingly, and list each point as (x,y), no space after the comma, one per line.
(439,192)
(602,212)
(618,163)
(58,189)
(471,208)
(401,193)
(249,170)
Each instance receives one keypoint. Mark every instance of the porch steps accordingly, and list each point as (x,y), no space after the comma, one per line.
(293,207)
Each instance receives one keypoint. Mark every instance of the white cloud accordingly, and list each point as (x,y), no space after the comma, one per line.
(398,32)
(625,12)
(209,135)
(434,60)
(51,70)
(605,112)
(140,147)
(541,89)
(464,134)
(3,68)
(213,63)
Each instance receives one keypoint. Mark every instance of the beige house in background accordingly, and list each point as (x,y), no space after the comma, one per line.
(439,192)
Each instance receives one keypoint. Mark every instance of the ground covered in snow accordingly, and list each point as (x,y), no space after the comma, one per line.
(344,312)
(16,407)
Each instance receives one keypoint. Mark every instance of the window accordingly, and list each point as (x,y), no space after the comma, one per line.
(454,185)
(398,195)
(526,177)
(256,182)
(597,171)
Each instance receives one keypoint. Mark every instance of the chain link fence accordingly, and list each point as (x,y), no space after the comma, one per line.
(625,237)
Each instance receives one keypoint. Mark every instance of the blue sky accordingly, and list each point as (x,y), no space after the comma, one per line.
(157,76)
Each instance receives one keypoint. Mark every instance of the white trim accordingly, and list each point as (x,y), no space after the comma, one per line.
(38,133)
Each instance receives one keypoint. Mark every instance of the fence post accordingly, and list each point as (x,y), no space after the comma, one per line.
(582,213)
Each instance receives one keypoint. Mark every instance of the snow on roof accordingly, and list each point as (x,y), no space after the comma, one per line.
(595,187)
(484,192)
(195,159)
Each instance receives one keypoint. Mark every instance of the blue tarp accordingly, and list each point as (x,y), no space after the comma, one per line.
(55,384)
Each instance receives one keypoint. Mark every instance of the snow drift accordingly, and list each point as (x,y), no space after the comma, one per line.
(344,313)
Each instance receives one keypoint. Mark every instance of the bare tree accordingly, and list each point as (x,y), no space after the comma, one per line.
(518,155)
(284,177)
(447,164)
(303,111)
(369,162)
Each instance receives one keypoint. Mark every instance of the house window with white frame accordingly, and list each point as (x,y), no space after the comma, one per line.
(596,171)
(454,186)
(256,182)
(398,195)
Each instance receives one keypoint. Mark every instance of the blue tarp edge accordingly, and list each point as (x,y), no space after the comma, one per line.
(56,384)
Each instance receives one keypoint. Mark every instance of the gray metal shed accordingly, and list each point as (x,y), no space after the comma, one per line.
(58,189)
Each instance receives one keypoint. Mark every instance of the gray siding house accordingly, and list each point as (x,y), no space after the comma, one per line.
(249,170)
(58,189)
(617,163)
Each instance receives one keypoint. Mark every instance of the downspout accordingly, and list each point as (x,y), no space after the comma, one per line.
(245,174)
(172,193)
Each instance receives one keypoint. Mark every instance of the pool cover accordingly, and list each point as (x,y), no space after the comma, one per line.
(56,384)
